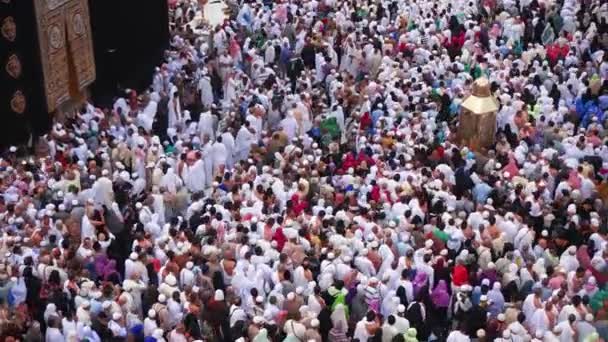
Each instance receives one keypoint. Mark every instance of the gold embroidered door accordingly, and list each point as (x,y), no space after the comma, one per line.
(66,49)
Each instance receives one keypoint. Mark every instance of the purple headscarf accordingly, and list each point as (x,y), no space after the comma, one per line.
(100,264)
(420,281)
(109,269)
(440,296)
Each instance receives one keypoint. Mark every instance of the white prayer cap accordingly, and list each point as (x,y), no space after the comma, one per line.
(189,265)
(13,149)
(428,243)
(133,256)
(291,296)
(571,209)
(151,313)
(331,256)
(86,304)
(170,280)
(106,305)
(364,251)
(105,172)
(401,308)
(258,319)
(501,317)
(481,333)
(595,222)
(219,295)
(572,250)
(162,298)
(299,290)
(485,282)
(138,205)
(74,202)
(483,298)
(589,317)
(506,333)
(314,323)
(116,316)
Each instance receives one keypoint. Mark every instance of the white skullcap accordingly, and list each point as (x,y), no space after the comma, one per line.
(314,323)
(162,298)
(589,317)
(151,313)
(291,296)
(481,333)
(133,256)
(171,280)
(116,316)
(501,317)
(219,295)
(401,308)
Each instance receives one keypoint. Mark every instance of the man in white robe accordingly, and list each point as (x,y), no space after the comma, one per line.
(206,125)
(195,175)
(207,152)
(170,181)
(228,141)
(244,139)
(219,155)
(204,86)
(102,190)
(146,117)
(289,125)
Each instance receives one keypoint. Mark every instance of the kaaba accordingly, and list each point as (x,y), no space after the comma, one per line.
(55,52)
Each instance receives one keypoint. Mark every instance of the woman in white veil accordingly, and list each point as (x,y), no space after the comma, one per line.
(339,316)
(340,325)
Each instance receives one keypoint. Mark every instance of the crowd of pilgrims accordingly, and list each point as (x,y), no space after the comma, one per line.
(293,174)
